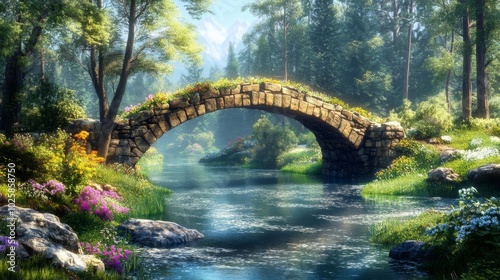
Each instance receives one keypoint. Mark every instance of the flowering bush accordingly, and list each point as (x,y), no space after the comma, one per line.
(112,257)
(478,153)
(49,189)
(78,166)
(475,221)
(403,165)
(100,202)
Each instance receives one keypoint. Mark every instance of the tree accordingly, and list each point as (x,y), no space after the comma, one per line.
(193,75)
(481,82)
(154,36)
(23,25)
(325,45)
(467,61)
(277,16)
(231,69)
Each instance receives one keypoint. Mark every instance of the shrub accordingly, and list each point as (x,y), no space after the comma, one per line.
(270,141)
(98,202)
(49,189)
(49,100)
(112,257)
(432,118)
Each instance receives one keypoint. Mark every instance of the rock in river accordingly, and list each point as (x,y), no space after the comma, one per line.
(157,234)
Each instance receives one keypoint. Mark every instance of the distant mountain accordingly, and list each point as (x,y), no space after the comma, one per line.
(215,38)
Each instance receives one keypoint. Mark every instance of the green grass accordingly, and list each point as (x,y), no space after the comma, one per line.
(411,185)
(394,231)
(462,167)
(142,197)
(461,138)
(312,168)
(36,268)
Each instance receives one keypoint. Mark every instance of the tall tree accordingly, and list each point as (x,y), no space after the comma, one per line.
(154,37)
(466,60)
(325,45)
(481,82)
(277,16)
(193,75)
(22,26)
(232,66)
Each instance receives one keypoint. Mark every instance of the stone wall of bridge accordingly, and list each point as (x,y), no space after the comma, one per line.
(352,145)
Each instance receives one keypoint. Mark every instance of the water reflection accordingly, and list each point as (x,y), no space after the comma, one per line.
(261,224)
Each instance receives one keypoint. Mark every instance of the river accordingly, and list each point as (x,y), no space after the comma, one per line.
(262,224)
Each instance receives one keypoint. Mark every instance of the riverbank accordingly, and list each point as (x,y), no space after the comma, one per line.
(464,240)
(53,174)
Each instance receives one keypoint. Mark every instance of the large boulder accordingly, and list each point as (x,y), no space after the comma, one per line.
(443,175)
(412,250)
(44,234)
(486,174)
(157,234)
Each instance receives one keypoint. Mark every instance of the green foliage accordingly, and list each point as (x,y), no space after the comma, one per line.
(151,157)
(48,99)
(270,141)
(298,155)
(308,168)
(414,184)
(470,235)
(394,231)
(432,118)
(416,157)
(232,68)
(404,114)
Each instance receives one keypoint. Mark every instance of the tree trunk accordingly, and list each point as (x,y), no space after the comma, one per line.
(11,103)
(467,65)
(285,47)
(408,53)
(108,123)
(448,77)
(481,79)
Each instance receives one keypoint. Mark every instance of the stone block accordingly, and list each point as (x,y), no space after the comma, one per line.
(200,109)
(294,105)
(278,100)
(220,103)
(162,123)
(314,100)
(180,102)
(122,151)
(225,91)
(347,115)
(210,105)
(310,109)
(142,116)
(271,87)
(138,131)
(324,114)
(246,101)
(229,101)
(236,90)
(329,106)
(157,131)
(137,152)
(238,100)
(141,144)
(190,112)
(262,98)
(181,114)
(250,87)
(334,119)
(317,112)
(287,101)
(290,91)
(150,137)
(269,99)
(254,95)
(173,120)
(209,94)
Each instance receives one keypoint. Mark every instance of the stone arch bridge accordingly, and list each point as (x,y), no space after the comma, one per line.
(353,147)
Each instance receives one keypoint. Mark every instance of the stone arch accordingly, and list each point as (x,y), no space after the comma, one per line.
(352,146)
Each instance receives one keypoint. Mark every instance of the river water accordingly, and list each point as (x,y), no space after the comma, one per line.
(261,224)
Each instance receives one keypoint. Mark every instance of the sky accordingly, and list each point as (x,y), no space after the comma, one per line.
(227,23)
